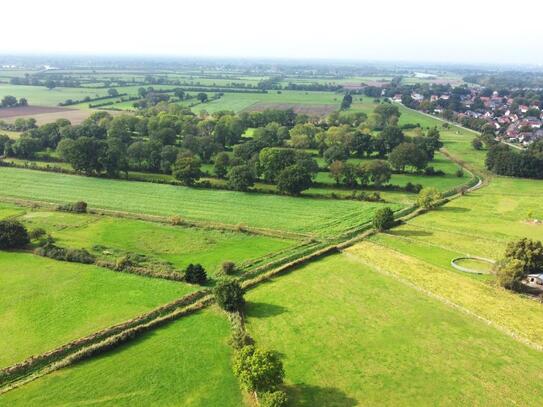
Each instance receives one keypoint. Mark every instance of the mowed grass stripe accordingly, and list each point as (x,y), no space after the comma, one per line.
(302,215)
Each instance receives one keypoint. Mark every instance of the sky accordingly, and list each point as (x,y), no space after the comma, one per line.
(459,31)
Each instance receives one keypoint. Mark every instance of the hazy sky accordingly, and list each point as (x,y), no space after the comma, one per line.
(411,30)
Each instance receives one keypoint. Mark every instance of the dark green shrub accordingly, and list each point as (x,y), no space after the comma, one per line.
(258,370)
(229,295)
(510,274)
(13,235)
(273,399)
(239,336)
(383,219)
(59,253)
(228,267)
(77,207)
(37,233)
(195,274)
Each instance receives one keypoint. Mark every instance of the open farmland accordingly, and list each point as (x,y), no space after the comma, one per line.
(325,217)
(184,363)
(46,303)
(357,343)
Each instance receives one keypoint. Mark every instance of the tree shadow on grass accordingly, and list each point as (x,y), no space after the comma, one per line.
(306,395)
(263,310)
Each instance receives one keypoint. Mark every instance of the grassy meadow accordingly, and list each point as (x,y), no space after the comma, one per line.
(46,303)
(186,363)
(177,245)
(239,101)
(352,336)
(41,96)
(322,217)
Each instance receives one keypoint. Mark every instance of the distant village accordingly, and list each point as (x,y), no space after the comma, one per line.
(515,123)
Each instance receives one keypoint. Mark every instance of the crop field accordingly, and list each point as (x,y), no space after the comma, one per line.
(46,303)
(75,116)
(184,363)
(351,336)
(325,217)
(177,245)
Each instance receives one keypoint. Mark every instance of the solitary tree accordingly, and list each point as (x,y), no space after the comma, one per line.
(202,97)
(13,235)
(383,219)
(428,198)
(346,102)
(229,295)
(195,274)
(258,370)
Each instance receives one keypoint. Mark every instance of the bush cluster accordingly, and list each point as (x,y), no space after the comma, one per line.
(77,207)
(59,253)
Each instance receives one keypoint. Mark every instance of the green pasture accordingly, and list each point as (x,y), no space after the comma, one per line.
(352,336)
(317,216)
(8,210)
(46,303)
(41,96)
(177,245)
(239,101)
(186,363)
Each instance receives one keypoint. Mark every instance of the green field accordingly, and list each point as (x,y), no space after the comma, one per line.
(178,245)
(185,363)
(351,336)
(46,303)
(324,217)
(8,210)
(41,96)
(239,101)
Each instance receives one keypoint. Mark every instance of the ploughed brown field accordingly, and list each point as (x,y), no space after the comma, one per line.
(44,115)
(30,111)
(308,109)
